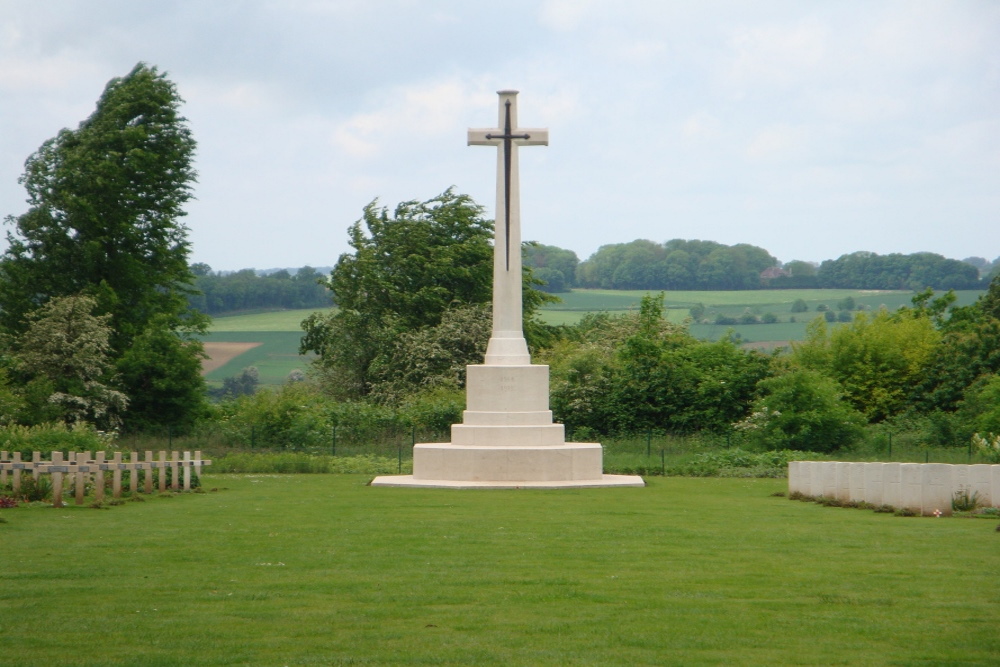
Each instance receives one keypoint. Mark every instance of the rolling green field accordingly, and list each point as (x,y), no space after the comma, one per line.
(578,303)
(280,332)
(281,320)
(322,569)
(275,357)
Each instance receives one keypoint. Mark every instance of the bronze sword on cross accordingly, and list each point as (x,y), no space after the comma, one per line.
(508,139)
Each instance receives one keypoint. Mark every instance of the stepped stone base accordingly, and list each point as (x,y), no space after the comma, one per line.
(562,462)
(507,440)
(567,465)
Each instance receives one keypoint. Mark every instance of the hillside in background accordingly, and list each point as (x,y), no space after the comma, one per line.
(676,265)
(764,319)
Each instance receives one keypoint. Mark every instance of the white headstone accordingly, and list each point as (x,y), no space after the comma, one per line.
(793,477)
(910,487)
(979,483)
(857,482)
(873,483)
(804,478)
(843,481)
(936,488)
(829,479)
(816,479)
(891,485)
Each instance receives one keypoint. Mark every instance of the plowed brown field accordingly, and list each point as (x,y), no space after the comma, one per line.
(222,353)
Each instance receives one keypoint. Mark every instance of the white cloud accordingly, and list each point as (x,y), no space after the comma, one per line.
(776,54)
(40,76)
(777,142)
(701,127)
(565,15)
(405,115)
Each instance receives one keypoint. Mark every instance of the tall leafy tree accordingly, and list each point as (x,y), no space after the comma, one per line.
(969,351)
(162,369)
(106,202)
(407,270)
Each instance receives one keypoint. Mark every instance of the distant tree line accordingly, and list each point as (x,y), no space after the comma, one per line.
(219,292)
(707,265)
(868,270)
(554,267)
(675,265)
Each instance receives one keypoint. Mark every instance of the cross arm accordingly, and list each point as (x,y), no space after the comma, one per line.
(478,137)
(536,137)
(524,137)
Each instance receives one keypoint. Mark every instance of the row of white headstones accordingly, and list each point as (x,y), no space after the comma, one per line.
(925,488)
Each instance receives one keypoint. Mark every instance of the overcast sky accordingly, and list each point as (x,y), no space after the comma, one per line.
(811,129)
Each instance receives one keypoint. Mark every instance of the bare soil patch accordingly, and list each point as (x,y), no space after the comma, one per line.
(220,354)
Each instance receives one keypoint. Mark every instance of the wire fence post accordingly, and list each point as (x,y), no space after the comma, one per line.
(649,438)
(663,463)
(399,458)
(333,441)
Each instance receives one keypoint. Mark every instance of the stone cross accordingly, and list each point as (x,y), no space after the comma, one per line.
(507,346)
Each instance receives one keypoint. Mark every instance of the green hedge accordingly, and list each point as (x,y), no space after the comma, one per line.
(48,438)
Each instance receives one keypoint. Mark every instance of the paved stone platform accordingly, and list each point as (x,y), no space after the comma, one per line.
(603,482)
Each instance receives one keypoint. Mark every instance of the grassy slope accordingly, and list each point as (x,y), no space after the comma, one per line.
(316,569)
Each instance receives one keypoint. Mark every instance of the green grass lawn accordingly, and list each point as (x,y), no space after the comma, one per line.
(324,570)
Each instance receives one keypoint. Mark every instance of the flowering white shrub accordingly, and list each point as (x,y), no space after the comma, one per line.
(758,420)
(988,445)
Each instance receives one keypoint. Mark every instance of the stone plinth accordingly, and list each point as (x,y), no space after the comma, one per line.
(507,440)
